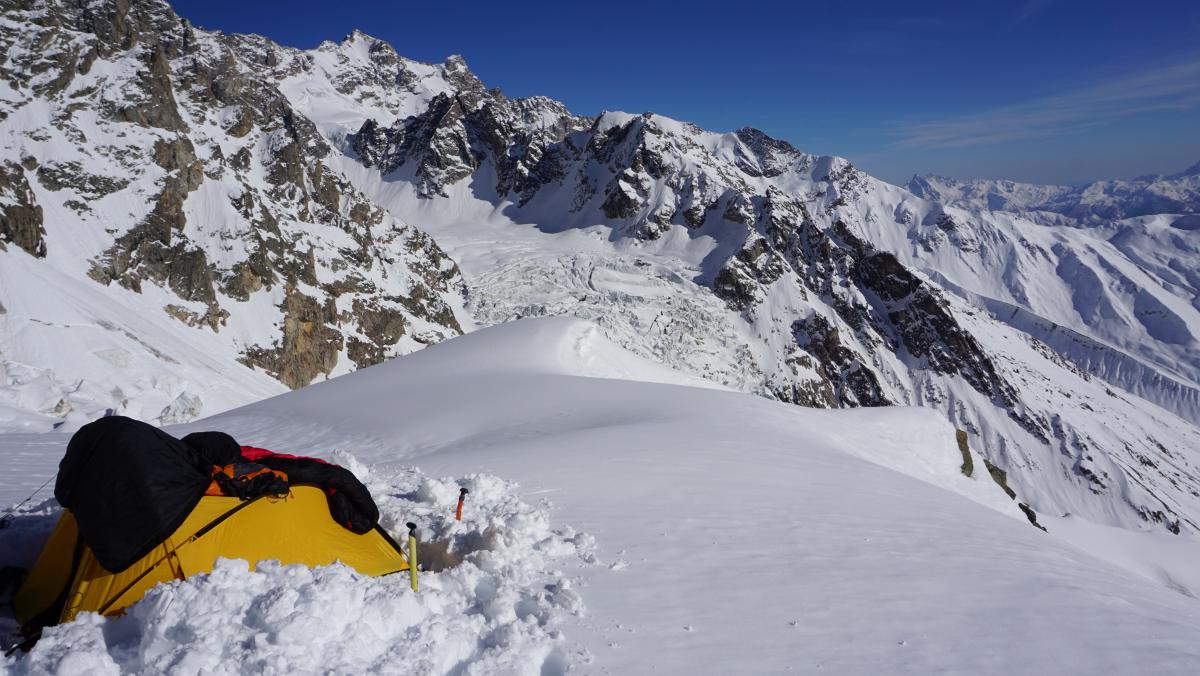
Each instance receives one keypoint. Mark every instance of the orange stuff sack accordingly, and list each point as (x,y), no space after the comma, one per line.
(245,480)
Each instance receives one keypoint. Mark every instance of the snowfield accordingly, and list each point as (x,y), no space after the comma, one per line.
(653,527)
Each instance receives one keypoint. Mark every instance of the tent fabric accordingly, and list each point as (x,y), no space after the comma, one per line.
(136,514)
(69,578)
(214,448)
(350,502)
(129,485)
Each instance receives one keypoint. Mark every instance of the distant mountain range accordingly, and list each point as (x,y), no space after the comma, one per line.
(1095,203)
(193,220)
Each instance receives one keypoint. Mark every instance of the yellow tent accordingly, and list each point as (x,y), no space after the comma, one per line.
(67,579)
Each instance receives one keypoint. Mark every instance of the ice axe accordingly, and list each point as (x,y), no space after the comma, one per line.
(462,495)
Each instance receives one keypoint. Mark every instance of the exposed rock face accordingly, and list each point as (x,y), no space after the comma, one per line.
(437,142)
(155,249)
(455,134)
(157,106)
(849,380)
(968,464)
(20,215)
(310,344)
(925,327)
(876,299)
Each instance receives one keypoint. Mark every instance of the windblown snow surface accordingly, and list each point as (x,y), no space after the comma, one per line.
(623,521)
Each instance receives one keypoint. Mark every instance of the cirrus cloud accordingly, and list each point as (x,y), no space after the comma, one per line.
(1032,8)
(1173,87)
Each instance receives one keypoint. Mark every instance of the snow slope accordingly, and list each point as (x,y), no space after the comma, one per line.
(724,533)
(106,350)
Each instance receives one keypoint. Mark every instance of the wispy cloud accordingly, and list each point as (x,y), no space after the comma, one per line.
(915,22)
(1032,8)
(1173,87)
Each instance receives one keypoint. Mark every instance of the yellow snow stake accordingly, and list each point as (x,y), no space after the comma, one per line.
(412,554)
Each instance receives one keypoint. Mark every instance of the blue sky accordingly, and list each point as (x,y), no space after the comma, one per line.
(1035,90)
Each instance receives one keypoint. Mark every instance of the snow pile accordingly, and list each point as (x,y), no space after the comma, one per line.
(504,582)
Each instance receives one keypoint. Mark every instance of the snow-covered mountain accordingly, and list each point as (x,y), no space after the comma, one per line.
(176,240)
(222,217)
(1097,202)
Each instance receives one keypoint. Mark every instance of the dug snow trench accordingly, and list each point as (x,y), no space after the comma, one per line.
(717,533)
(493,610)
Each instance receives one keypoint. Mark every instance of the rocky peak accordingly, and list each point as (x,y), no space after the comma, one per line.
(456,72)
(378,52)
(357,36)
(436,143)
(772,157)
(921,187)
(458,132)
(455,64)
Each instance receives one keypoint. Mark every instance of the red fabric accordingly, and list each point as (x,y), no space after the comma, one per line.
(254,454)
